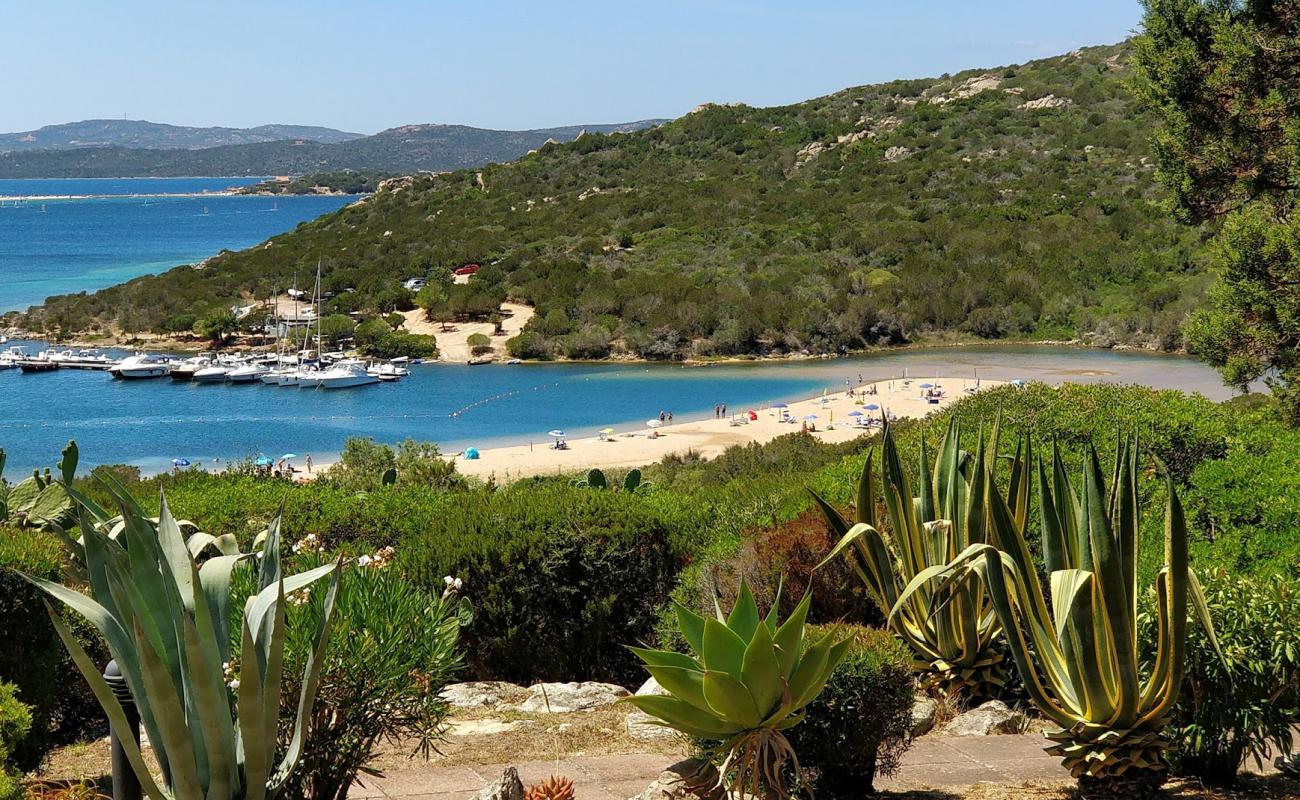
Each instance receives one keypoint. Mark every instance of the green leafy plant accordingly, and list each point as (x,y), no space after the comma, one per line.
(596,479)
(1241,700)
(860,725)
(1077,647)
(750,680)
(167,624)
(951,629)
(393,648)
(15,722)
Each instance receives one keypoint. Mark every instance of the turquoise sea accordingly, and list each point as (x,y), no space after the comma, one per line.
(148,423)
(115,229)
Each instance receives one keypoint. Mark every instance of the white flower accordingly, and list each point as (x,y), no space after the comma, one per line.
(458,583)
(234,685)
(364,561)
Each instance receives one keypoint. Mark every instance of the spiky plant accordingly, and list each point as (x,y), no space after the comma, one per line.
(952,631)
(166,620)
(749,680)
(1077,648)
(552,788)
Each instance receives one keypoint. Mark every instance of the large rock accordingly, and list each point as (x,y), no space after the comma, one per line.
(641,725)
(507,787)
(481,694)
(990,719)
(685,780)
(923,711)
(564,698)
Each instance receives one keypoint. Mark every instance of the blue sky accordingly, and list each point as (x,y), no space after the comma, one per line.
(365,66)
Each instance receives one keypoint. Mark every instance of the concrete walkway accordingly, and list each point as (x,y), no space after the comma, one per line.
(933,762)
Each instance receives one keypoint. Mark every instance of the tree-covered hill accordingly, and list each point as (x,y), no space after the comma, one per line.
(407,149)
(1011,202)
(132,133)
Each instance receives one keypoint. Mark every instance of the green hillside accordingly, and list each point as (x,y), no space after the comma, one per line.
(1012,202)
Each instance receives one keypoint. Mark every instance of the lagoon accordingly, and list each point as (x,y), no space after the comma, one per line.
(116,229)
(148,423)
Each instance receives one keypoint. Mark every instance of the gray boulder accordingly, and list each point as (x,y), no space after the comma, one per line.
(641,725)
(481,694)
(564,698)
(923,711)
(990,719)
(507,787)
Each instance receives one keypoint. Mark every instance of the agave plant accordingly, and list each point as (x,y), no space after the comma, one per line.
(166,620)
(1078,653)
(951,629)
(749,680)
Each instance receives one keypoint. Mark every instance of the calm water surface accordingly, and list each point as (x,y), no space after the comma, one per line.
(147,423)
(113,232)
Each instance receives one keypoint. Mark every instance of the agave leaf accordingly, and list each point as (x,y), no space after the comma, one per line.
(683,716)
(252,737)
(666,658)
(788,640)
(761,672)
(730,699)
(169,715)
(109,702)
(683,683)
(724,651)
(744,615)
(692,627)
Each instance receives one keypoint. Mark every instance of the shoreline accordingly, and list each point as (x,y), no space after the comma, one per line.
(632,445)
(40,198)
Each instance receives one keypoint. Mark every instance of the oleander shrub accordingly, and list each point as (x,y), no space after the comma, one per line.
(15,722)
(393,647)
(1245,706)
(562,577)
(860,725)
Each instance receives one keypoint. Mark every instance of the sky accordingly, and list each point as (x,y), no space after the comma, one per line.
(366,66)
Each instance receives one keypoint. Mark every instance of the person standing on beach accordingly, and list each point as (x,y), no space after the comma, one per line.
(670,418)
(661,416)
(724,409)
(309,464)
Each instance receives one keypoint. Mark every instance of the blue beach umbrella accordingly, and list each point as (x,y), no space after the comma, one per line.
(856,414)
(263,461)
(811,416)
(180,462)
(558,434)
(927,385)
(872,407)
(779,405)
(1018,382)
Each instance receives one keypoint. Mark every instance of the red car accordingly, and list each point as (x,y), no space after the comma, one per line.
(468,269)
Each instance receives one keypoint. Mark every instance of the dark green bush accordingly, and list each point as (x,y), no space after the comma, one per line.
(1245,708)
(15,722)
(562,578)
(860,725)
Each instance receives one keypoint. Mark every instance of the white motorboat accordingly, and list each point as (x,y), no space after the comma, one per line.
(141,366)
(387,372)
(248,373)
(213,373)
(81,359)
(16,354)
(184,370)
(345,376)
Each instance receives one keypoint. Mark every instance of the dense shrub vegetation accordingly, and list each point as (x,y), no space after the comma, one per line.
(860,725)
(871,216)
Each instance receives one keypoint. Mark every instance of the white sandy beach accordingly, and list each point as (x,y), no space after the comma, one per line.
(635,445)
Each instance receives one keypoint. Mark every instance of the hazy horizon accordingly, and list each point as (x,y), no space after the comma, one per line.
(501,65)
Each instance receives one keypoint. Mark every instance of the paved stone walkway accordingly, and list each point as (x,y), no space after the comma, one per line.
(933,762)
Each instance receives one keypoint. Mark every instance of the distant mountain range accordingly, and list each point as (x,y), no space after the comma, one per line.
(114,149)
(144,135)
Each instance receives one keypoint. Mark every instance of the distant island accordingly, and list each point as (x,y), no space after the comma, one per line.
(98,149)
(342,182)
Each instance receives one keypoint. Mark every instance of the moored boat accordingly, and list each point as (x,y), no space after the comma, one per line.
(141,366)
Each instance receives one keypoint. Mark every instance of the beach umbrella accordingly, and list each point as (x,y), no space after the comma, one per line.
(607,431)
(263,461)
(471,453)
(811,416)
(1018,382)
(856,414)
(653,423)
(180,462)
(927,385)
(779,405)
(288,456)
(558,434)
(872,407)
